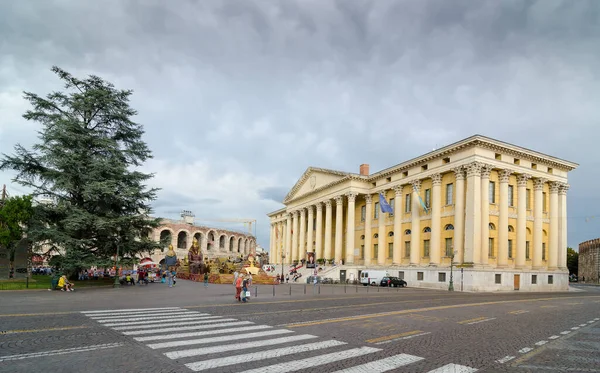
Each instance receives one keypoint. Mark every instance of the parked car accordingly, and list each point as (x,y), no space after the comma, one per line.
(311,279)
(393,282)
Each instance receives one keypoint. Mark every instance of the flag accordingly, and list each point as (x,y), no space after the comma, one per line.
(423,205)
(385,206)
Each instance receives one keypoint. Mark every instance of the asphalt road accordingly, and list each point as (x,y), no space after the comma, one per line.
(327,329)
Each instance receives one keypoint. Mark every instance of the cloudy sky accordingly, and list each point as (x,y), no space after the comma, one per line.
(238,98)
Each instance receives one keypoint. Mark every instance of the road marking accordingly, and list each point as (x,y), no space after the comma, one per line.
(130,310)
(541,343)
(405,334)
(407,337)
(59,352)
(383,365)
(314,361)
(596,319)
(554,337)
(133,313)
(518,312)
(582,324)
(591,322)
(424,317)
(225,338)
(575,328)
(505,359)
(188,314)
(149,316)
(166,330)
(525,350)
(575,303)
(178,321)
(480,321)
(565,332)
(453,368)
(240,346)
(17,331)
(548,306)
(261,355)
(200,334)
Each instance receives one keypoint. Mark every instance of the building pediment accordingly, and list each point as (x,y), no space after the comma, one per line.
(312,179)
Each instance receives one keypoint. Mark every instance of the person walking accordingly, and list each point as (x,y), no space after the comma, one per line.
(245,284)
(205,279)
(238,288)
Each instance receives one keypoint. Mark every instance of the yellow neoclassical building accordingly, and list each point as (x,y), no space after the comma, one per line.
(499,210)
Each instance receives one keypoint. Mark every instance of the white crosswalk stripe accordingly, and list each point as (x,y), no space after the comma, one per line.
(220,343)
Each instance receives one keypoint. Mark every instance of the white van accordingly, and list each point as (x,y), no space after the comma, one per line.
(372,277)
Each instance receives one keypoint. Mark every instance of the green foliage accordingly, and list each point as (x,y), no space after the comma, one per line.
(87,163)
(15,214)
(572,261)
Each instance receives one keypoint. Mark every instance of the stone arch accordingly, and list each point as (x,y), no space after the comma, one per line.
(210,239)
(246,246)
(231,239)
(222,239)
(511,228)
(426,230)
(166,237)
(182,239)
(199,237)
(449,227)
(407,232)
(239,245)
(492,227)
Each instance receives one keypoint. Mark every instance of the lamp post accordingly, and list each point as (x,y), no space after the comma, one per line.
(117,284)
(451,284)
(282,258)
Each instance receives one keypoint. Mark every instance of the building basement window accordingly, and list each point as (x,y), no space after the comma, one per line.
(533,279)
(442,277)
(550,279)
(498,278)
(419,276)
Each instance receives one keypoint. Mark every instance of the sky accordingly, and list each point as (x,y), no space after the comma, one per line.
(238,98)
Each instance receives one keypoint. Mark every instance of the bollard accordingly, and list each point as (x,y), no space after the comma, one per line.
(255,291)
(319,289)
(304,288)
(273,290)
(357,288)
(290,290)
(27,282)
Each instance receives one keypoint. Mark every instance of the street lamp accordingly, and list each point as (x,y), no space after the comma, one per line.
(451,284)
(117,284)
(282,258)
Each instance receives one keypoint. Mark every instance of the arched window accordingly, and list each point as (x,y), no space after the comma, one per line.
(492,226)
(407,231)
(528,230)
(362,237)
(449,227)
(391,234)
(510,228)
(376,235)
(426,230)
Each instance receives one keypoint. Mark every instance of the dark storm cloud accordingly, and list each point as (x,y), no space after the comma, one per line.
(240,97)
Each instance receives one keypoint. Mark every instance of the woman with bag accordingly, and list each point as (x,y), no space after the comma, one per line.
(245,292)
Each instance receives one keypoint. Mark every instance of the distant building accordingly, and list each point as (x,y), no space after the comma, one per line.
(589,261)
(496,209)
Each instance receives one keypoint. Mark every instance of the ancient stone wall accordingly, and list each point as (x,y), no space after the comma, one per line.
(589,261)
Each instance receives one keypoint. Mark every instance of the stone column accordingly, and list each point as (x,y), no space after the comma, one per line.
(309,233)
(295,237)
(521,220)
(562,226)
(339,227)
(554,233)
(503,219)
(350,225)
(368,235)
(273,240)
(397,259)
(538,222)
(319,231)
(381,239)
(436,220)
(485,214)
(288,239)
(302,243)
(280,232)
(473,215)
(328,237)
(415,229)
(459,215)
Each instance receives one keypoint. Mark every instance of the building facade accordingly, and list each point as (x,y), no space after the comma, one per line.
(494,209)
(589,261)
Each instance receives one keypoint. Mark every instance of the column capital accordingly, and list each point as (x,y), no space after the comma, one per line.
(339,200)
(351,196)
(538,183)
(310,210)
(564,187)
(328,204)
(368,198)
(436,179)
(295,213)
(459,172)
(398,190)
(504,175)
(303,212)
(416,185)
(522,180)
(554,187)
(319,206)
(486,170)
(474,169)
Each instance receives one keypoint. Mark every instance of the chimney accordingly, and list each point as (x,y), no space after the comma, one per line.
(364,169)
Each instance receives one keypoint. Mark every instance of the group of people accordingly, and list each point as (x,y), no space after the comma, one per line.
(242,285)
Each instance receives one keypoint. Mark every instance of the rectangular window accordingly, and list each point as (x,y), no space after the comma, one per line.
(362,251)
(390,250)
(392,205)
(543,251)
(426,248)
(491,247)
(376,251)
(420,276)
(442,277)
(533,279)
(550,279)
(401,275)
(428,198)
(376,214)
(528,199)
(407,203)
(448,247)
(314,224)
(544,206)
(492,192)
(407,249)
(449,194)
(511,201)
(527,254)
(498,278)
(363,213)
(510,247)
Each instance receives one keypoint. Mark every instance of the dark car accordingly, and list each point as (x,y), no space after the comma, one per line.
(393,282)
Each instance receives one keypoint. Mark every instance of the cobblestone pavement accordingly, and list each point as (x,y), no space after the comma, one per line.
(191,328)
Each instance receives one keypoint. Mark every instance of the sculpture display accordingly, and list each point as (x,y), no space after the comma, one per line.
(252,269)
(195,259)
(171,259)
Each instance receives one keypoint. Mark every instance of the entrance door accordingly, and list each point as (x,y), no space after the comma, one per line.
(517,282)
(342,276)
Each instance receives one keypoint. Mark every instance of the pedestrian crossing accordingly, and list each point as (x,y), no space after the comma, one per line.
(204,342)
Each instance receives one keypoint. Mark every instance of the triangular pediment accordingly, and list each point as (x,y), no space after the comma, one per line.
(312,179)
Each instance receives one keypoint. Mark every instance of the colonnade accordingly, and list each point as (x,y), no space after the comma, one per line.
(293,235)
